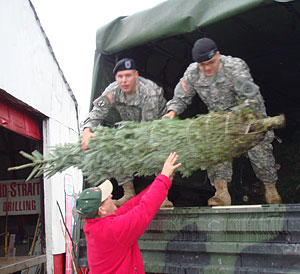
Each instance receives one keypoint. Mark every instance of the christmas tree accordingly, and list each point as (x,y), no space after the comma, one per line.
(140,149)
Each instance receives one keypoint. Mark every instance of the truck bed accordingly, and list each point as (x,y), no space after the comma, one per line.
(233,239)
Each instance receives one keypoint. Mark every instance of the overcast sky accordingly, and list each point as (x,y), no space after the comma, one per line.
(71,28)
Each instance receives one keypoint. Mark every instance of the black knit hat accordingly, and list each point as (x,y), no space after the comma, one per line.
(203,50)
(124,64)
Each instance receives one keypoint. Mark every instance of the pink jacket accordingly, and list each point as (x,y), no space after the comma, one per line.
(112,241)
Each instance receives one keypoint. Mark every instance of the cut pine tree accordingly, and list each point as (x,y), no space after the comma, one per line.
(140,149)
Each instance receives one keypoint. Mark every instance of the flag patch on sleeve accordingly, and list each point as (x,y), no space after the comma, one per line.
(184,86)
(111,97)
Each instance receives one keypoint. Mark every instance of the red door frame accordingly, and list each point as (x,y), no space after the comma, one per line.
(17,118)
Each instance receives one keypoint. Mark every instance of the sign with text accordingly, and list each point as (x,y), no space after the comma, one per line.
(18,197)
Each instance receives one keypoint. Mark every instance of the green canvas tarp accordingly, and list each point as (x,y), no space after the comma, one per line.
(170,18)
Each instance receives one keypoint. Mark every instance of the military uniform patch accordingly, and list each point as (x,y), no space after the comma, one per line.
(184,86)
(101,103)
(111,98)
(128,64)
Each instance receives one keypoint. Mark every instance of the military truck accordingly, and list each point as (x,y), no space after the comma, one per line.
(249,236)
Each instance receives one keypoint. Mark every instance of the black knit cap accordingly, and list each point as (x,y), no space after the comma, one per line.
(203,50)
(124,64)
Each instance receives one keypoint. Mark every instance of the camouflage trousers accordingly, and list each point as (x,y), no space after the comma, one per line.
(261,159)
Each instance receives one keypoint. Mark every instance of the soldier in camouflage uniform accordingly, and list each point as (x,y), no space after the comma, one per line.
(223,82)
(136,99)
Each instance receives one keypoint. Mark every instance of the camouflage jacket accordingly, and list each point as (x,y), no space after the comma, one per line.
(231,86)
(147,103)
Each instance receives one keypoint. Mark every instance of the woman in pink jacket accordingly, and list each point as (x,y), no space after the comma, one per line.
(112,233)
